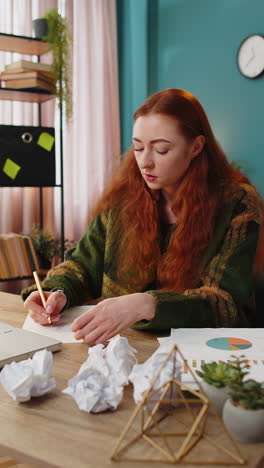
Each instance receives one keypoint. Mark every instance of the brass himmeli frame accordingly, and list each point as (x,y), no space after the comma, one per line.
(150,420)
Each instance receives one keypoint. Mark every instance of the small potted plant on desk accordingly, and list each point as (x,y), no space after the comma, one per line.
(243,412)
(215,380)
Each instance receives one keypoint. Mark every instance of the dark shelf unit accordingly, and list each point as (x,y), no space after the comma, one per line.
(35,47)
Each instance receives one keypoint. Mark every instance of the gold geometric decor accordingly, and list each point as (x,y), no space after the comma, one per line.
(176,424)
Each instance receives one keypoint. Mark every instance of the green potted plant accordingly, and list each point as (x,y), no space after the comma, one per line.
(243,412)
(46,247)
(215,380)
(59,38)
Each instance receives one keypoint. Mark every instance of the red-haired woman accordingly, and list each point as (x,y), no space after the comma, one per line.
(173,239)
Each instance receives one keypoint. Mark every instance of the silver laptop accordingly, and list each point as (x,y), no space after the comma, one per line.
(17,344)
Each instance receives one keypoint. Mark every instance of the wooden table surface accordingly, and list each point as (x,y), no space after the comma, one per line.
(51,431)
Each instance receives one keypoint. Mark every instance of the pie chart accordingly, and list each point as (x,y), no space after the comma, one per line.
(228,343)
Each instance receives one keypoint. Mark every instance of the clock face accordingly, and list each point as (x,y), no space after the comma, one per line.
(250,56)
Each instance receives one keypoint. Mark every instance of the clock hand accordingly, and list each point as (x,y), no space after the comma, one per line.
(250,60)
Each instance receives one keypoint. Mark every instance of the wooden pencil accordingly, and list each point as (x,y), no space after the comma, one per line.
(36,278)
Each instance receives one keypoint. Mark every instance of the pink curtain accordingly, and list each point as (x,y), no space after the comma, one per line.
(92,142)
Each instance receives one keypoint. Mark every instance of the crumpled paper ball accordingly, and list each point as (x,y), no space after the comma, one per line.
(29,378)
(142,375)
(95,392)
(121,358)
(99,383)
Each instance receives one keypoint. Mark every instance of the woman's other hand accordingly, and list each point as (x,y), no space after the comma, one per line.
(55,302)
(112,316)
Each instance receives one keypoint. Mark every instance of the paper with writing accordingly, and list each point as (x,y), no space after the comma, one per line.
(60,330)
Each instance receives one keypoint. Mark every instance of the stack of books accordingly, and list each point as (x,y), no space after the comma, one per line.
(26,75)
(17,256)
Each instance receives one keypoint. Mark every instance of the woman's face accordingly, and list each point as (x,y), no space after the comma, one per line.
(162,152)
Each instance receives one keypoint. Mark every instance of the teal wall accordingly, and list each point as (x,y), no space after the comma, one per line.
(133,44)
(192,44)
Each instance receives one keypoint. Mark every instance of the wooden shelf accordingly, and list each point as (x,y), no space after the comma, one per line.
(22,44)
(7,94)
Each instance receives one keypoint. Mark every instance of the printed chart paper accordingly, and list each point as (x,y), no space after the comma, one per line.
(60,330)
(199,345)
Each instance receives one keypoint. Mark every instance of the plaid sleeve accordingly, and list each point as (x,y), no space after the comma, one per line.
(226,280)
(81,274)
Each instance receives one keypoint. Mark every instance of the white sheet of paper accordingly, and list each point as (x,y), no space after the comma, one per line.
(192,343)
(60,330)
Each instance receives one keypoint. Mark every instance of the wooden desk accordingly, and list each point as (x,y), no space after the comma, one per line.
(51,431)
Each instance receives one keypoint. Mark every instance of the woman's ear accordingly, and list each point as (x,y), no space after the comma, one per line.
(198,145)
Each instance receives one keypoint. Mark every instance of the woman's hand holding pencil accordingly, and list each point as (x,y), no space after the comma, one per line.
(45,306)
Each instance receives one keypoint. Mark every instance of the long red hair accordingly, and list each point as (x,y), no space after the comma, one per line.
(195,205)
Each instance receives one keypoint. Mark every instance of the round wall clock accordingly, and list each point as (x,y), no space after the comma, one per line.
(250,56)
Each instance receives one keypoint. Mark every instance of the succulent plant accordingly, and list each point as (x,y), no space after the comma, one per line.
(246,393)
(217,374)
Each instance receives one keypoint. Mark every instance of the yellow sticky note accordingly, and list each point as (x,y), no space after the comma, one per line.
(46,141)
(11,168)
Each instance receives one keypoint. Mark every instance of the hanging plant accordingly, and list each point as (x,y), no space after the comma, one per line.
(59,38)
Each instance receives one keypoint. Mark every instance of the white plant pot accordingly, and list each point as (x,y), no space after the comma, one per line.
(216,395)
(245,425)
